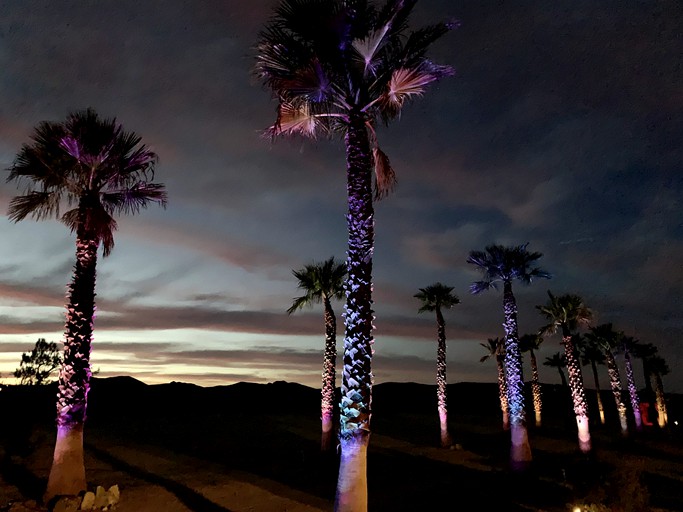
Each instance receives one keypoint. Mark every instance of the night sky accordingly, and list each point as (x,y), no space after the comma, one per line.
(562,127)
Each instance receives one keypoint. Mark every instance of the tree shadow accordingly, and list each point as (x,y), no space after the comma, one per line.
(189,497)
(29,485)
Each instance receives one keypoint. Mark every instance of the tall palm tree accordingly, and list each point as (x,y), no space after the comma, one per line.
(499,264)
(607,339)
(433,298)
(566,313)
(322,282)
(658,368)
(557,360)
(495,347)
(644,352)
(339,66)
(591,354)
(530,343)
(101,170)
(628,344)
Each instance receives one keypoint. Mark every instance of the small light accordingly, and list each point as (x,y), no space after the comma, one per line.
(676,422)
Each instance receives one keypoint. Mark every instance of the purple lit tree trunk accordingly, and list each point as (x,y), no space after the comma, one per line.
(632,390)
(503,392)
(356,388)
(536,388)
(520,453)
(67,474)
(615,383)
(577,390)
(328,385)
(441,380)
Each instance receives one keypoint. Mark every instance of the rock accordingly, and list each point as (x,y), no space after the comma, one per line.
(88,502)
(113,495)
(26,506)
(101,497)
(67,504)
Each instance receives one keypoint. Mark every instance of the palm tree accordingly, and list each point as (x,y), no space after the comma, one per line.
(627,344)
(339,66)
(323,282)
(591,353)
(505,264)
(94,164)
(557,360)
(530,343)
(433,298)
(658,368)
(607,339)
(566,313)
(645,351)
(495,347)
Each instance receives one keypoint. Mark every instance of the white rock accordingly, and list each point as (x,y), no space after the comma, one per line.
(88,501)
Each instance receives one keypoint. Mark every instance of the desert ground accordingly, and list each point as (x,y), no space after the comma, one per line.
(255,447)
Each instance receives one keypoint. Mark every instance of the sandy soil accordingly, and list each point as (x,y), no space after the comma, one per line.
(249,460)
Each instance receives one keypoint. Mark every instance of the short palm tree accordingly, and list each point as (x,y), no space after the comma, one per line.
(591,354)
(558,360)
(566,313)
(339,66)
(499,264)
(323,282)
(530,343)
(99,170)
(627,345)
(607,339)
(433,298)
(658,368)
(495,347)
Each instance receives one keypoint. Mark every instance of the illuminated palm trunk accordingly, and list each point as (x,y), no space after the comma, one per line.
(601,409)
(536,388)
(67,474)
(520,454)
(660,402)
(441,379)
(356,388)
(615,383)
(577,390)
(632,390)
(328,384)
(503,392)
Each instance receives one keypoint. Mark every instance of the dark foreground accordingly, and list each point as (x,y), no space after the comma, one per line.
(180,447)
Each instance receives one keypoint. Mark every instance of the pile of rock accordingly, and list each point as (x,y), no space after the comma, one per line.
(100,500)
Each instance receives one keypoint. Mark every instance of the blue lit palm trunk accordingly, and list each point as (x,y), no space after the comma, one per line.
(329,383)
(578,391)
(520,455)
(67,475)
(615,384)
(441,380)
(632,390)
(356,387)
(503,392)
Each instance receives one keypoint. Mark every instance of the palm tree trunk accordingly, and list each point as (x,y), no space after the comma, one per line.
(328,385)
(662,415)
(441,380)
(615,383)
(601,409)
(536,388)
(632,390)
(578,391)
(503,392)
(356,388)
(352,495)
(520,454)
(67,474)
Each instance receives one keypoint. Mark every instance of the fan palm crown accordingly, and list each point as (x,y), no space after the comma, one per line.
(566,313)
(505,264)
(92,166)
(319,281)
(436,296)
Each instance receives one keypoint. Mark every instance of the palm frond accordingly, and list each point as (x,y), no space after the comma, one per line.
(405,83)
(385,177)
(135,198)
(295,119)
(480,286)
(39,205)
